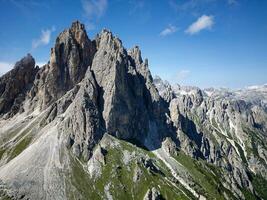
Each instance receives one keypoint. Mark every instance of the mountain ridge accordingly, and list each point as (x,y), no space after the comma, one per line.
(94,113)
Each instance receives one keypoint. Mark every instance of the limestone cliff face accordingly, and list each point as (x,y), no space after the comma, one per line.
(72,55)
(126,101)
(15,84)
(92,88)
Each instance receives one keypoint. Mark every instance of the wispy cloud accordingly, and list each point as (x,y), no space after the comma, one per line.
(5,67)
(93,10)
(202,23)
(182,74)
(44,38)
(168,31)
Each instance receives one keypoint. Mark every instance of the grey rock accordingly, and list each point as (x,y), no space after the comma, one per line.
(215,125)
(137,173)
(164,88)
(83,121)
(72,55)
(169,146)
(15,84)
(152,194)
(96,162)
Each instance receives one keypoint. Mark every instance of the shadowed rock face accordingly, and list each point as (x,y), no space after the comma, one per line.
(15,84)
(72,55)
(93,88)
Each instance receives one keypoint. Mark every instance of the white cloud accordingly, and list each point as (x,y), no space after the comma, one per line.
(44,39)
(94,9)
(5,67)
(168,31)
(182,74)
(202,23)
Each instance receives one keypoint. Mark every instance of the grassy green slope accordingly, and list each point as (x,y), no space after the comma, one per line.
(206,177)
(119,178)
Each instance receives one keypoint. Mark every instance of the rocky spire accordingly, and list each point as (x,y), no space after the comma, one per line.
(135,53)
(70,57)
(72,54)
(110,67)
(15,84)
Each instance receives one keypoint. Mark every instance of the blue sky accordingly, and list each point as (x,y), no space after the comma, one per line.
(207,43)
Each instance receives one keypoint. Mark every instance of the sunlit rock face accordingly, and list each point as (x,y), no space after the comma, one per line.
(93,124)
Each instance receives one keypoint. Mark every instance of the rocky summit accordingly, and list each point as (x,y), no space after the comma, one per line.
(93,123)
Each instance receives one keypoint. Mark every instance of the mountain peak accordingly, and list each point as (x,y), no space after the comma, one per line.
(135,52)
(70,57)
(76,25)
(107,38)
(15,83)
(27,61)
(95,107)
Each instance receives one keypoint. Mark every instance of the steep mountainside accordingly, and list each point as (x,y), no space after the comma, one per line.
(93,124)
